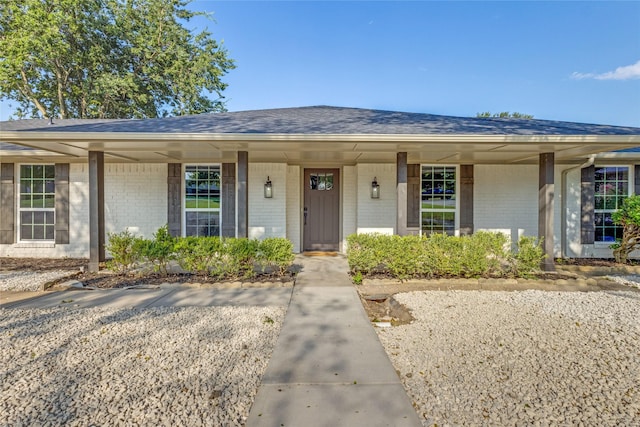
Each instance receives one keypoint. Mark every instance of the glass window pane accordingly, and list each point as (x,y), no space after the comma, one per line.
(202,187)
(38,232)
(49,232)
(49,201)
(49,171)
(26,233)
(202,224)
(438,195)
(26,217)
(38,217)
(329,184)
(38,171)
(25,186)
(611,188)
(37,191)
(38,186)
(38,201)
(25,201)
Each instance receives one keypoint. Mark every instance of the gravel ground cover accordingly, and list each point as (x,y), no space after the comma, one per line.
(29,281)
(631,280)
(520,358)
(103,366)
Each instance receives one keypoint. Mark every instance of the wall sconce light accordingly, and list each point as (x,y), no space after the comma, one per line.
(375,189)
(268,189)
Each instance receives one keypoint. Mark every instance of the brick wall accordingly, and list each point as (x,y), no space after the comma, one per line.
(349,203)
(267,217)
(505,199)
(293,206)
(135,197)
(376,215)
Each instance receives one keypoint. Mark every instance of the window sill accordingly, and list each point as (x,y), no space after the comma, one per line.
(35,245)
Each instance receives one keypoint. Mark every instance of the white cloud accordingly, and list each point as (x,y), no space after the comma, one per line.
(627,72)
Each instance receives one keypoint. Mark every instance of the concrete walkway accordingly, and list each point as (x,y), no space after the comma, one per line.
(163,296)
(328,367)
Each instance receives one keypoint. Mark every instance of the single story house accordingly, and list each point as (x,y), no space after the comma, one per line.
(314,175)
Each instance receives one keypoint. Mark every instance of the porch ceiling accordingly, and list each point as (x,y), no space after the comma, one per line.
(306,148)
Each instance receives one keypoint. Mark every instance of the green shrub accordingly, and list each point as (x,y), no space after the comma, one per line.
(125,249)
(628,216)
(276,254)
(446,254)
(238,258)
(159,250)
(365,252)
(199,255)
(400,255)
(529,256)
(483,254)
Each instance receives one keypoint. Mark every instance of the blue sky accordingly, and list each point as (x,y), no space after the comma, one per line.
(561,60)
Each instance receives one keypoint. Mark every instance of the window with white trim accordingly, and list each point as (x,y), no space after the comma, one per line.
(611,188)
(37,203)
(202,200)
(438,199)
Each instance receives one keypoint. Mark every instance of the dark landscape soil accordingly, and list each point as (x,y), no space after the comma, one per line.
(42,264)
(107,279)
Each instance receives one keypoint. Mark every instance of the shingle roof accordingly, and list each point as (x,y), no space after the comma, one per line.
(324,120)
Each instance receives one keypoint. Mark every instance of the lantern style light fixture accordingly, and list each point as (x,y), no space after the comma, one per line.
(268,189)
(375,189)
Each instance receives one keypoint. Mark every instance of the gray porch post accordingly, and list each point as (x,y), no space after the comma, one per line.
(466,200)
(401,194)
(96,209)
(545,208)
(243,194)
(174,199)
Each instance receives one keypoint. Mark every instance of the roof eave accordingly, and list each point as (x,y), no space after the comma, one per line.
(18,136)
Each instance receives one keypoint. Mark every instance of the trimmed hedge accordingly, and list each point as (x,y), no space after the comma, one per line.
(482,254)
(219,257)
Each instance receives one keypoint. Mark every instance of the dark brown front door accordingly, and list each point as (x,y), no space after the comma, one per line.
(321,209)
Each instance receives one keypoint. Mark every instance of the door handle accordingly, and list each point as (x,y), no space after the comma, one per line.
(306,211)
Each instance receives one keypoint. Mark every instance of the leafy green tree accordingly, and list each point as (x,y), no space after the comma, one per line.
(108,59)
(628,216)
(505,115)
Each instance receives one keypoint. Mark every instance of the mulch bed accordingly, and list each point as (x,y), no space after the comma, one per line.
(107,279)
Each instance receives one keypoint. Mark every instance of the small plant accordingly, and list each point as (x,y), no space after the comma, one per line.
(125,249)
(357,278)
(200,255)
(160,250)
(628,216)
(276,254)
(529,256)
(239,256)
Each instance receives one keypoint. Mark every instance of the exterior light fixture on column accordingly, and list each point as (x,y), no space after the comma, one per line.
(268,189)
(375,189)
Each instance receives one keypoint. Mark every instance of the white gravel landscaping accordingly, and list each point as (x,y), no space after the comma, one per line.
(161,366)
(29,281)
(520,358)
